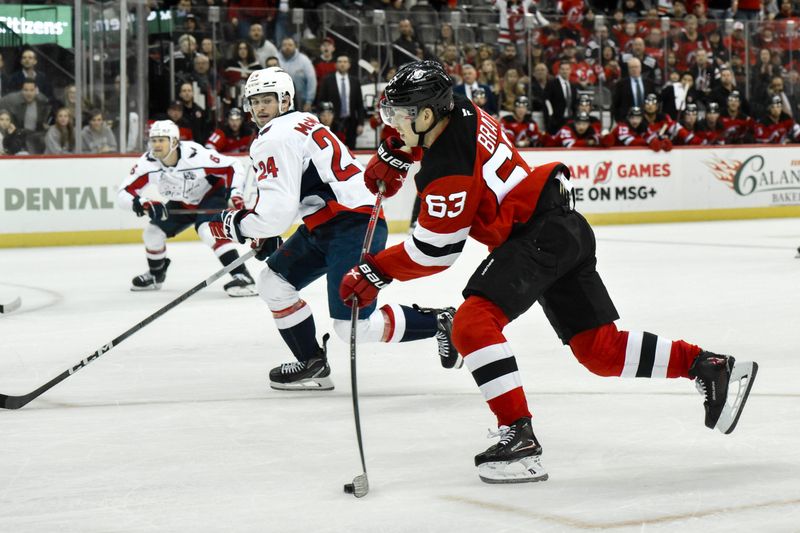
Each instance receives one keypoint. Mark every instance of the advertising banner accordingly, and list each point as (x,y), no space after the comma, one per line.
(38,24)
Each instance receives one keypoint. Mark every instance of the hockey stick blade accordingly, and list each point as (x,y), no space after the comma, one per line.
(359,487)
(13,305)
(743,375)
(15,402)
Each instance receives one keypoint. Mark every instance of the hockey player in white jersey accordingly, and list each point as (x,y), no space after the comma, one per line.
(189,176)
(304,170)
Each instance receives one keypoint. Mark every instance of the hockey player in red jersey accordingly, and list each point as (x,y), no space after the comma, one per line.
(304,171)
(233,137)
(710,128)
(660,127)
(520,126)
(578,133)
(629,133)
(776,127)
(473,182)
(585,106)
(737,126)
(688,134)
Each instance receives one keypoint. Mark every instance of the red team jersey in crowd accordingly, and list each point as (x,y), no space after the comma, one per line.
(782,131)
(471,182)
(738,129)
(522,130)
(568,136)
(624,135)
(223,140)
(711,135)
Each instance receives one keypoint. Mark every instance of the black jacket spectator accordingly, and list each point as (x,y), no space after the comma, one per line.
(558,110)
(331,92)
(28,62)
(623,98)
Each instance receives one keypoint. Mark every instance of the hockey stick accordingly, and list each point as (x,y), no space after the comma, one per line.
(10,305)
(195,211)
(15,402)
(360,485)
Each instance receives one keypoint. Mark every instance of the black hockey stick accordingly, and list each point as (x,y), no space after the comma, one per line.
(360,485)
(195,211)
(15,402)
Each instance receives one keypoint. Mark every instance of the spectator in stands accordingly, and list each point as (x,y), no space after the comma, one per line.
(211,51)
(14,140)
(204,90)
(720,9)
(449,60)
(60,137)
(776,88)
(237,70)
(539,86)
(762,72)
(724,88)
(112,114)
(184,56)
(28,61)
(262,47)
(470,83)
(408,43)
(4,81)
(737,124)
(678,94)
(97,137)
(29,108)
(272,61)
(513,85)
(175,114)
(327,116)
(196,117)
(512,22)
(631,90)
(710,128)
(71,100)
(775,126)
(509,59)
(299,67)
(234,136)
(748,10)
(193,27)
(561,100)
(786,11)
(445,38)
(520,127)
(325,63)
(344,90)
(488,75)
(650,68)
(611,68)
(703,73)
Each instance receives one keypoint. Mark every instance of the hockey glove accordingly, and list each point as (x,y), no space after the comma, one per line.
(225,225)
(265,247)
(607,141)
(237,201)
(363,281)
(154,210)
(654,144)
(389,166)
(666,145)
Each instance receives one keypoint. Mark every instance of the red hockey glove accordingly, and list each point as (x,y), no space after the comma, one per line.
(363,281)
(655,144)
(607,141)
(389,166)
(225,225)
(154,210)
(666,145)
(237,201)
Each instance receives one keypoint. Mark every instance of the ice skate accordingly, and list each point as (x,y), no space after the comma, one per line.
(717,377)
(241,285)
(150,280)
(515,459)
(313,374)
(448,355)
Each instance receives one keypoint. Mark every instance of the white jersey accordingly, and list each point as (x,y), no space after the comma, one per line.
(302,169)
(198,173)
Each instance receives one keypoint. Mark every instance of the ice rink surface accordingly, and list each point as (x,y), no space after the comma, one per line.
(177,430)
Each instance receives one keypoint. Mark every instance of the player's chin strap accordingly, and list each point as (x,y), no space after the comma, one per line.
(421,134)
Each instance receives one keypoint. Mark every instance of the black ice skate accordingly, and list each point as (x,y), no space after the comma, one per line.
(515,459)
(313,374)
(241,285)
(714,374)
(448,355)
(151,280)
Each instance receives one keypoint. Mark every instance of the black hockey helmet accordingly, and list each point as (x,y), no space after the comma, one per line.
(713,107)
(326,106)
(690,109)
(583,116)
(584,99)
(480,91)
(776,100)
(635,111)
(522,101)
(651,98)
(734,95)
(235,112)
(416,86)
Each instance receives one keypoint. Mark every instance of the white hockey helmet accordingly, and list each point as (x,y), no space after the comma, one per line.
(269,80)
(164,128)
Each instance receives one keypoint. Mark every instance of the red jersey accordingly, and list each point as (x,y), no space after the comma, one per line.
(472,181)
(782,131)
(523,132)
(569,137)
(225,141)
(624,135)
(709,134)
(738,129)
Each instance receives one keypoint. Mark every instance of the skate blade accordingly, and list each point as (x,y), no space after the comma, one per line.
(311,384)
(155,287)
(743,375)
(455,364)
(242,292)
(526,470)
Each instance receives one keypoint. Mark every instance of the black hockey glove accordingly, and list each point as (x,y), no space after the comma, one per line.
(265,247)
(154,210)
(225,225)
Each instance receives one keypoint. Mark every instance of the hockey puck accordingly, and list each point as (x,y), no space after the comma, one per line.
(349,488)
(12,305)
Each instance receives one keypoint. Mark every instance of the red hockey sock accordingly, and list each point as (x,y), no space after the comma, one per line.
(606,351)
(478,336)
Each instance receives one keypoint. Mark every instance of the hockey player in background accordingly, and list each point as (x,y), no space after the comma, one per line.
(737,126)
(629,133)
(473,182)
(189,177)
(776,127)
(689,134)
(585,106)
(578,133)
(710,129)
(233,137)
(520,126)
(304,170)
(660,127)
